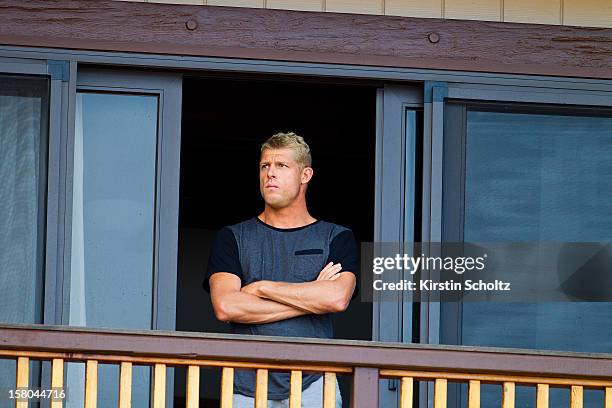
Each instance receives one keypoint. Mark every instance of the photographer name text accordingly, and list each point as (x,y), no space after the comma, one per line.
(429,285)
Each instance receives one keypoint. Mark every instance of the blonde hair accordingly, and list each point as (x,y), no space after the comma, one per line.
(292,141)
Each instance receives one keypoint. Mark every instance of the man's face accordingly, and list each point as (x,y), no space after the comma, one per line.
(280,177)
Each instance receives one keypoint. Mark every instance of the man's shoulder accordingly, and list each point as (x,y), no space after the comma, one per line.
(233,232)
(240,226)
(333,228)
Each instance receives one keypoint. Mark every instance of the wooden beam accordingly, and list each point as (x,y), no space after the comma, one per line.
(364,390)
(125,385)
(576,397)
(193,386)
(508,391)
(495,378)
(284,35)
(474,394)
(329,390)
(227,387)
(91,384)
(42,355)
(295,392)
(159,386)
(22,379)
(261,389)
(440,393)
(76,344)
(57,380)
(542,396)
(406,392)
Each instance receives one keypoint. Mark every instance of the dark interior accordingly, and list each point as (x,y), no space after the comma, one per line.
(224,122)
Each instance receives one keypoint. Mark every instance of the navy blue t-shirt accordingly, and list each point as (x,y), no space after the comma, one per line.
(254,251)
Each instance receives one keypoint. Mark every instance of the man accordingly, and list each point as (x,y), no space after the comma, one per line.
(282,273)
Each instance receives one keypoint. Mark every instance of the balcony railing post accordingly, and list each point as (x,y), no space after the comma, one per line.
(364,392)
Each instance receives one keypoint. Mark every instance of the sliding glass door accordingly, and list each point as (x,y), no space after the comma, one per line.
(24,133)
(24,127)
(529,173)
(124,213)
(398,145)
(113,220)
(33,111)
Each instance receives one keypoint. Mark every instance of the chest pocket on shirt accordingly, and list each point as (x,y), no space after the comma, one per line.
(308,263)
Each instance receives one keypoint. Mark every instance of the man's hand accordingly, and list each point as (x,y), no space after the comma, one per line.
(330,272)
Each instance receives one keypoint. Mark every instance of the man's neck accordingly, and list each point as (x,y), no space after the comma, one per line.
(286,218)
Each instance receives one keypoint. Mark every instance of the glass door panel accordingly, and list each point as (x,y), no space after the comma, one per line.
(123,214)
(532,176)
(113,222)
(113,209)
(24,119)
(400,116)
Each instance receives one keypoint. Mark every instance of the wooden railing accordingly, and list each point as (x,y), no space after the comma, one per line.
(508,383)
(160,366)
(366,362)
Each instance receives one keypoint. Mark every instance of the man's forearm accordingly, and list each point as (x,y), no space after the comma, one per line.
(240,307)
(323,296)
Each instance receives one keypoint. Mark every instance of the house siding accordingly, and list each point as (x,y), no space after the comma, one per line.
(587,13)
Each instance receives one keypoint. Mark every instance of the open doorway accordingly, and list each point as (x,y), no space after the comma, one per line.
(224,122)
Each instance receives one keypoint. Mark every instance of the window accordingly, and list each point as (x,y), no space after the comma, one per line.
(528,173)
(24,127)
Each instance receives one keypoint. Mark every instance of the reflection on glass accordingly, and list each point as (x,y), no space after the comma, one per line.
(24,117)
(23,135)
(538,177)
(113,224)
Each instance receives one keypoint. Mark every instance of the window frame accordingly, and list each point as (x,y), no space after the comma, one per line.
(437,96)
(439,87)
(484,95)
(167,88)
(448,160)
(61,75)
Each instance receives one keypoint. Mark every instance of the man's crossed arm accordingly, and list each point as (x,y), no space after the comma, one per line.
(269,301)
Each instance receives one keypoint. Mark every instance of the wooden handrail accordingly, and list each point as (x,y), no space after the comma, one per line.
(339,355)
(142,360)
(495,378)
(367,362)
